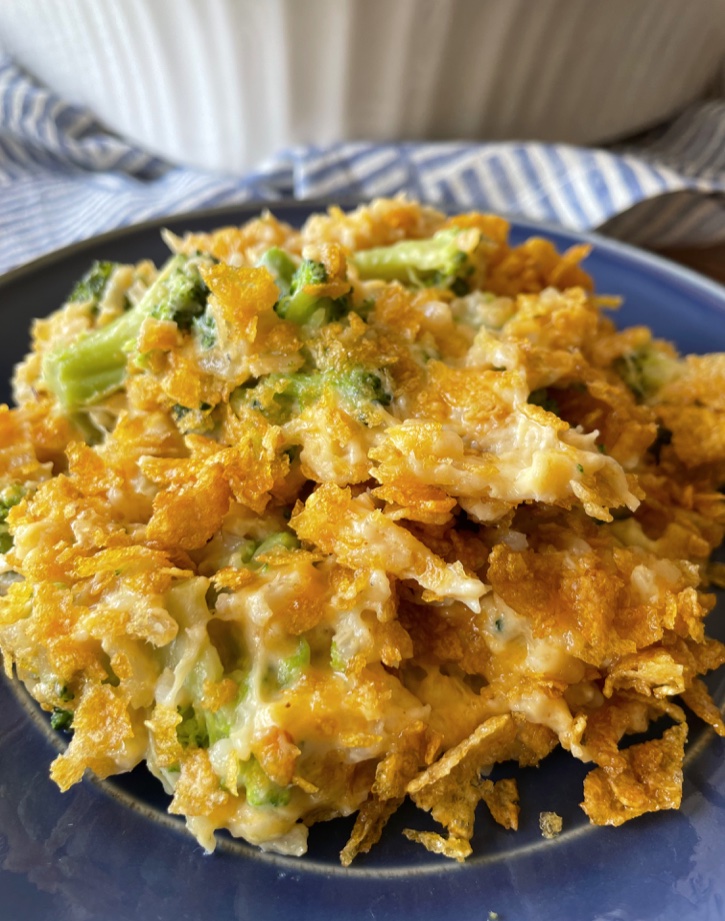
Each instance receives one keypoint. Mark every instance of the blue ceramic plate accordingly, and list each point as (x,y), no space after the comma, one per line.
(108,850)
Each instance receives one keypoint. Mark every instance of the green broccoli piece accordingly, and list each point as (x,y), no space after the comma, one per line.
(9,497)
(94,366)
(282,540)
(299,305)
(61,719)
(438,261)
(337,662)
(279,397)
(64,692)
(543,398)
(218,725)
(646,371)
(360,387)
(281,266)
(200,728)
(291,668)
(192,731)
(184,298)
(90,288)
(205,330)
(198,419)
(260,790)
(179,412)
(90,431)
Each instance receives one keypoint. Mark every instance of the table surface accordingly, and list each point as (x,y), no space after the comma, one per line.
(709,260)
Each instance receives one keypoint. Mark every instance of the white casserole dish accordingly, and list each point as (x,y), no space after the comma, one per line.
(225,83)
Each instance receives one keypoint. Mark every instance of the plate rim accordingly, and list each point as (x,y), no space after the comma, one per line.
(634,257)
(628,251)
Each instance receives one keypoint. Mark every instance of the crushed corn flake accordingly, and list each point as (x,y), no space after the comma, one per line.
(550,824)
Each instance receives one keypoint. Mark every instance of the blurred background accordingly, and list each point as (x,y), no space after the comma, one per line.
(223,84)
(238,89)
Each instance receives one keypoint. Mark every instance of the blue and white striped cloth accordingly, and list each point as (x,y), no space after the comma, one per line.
(63,177)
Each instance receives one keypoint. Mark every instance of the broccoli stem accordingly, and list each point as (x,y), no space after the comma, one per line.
(260,790)
(85,371)
(438,260)
(91,287)
(281,266)
(302,303)
(282,540)
(291,668)
(299,307)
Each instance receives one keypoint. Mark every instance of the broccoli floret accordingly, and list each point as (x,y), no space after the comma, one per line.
(543,398)
(300,304)
(205,330)
(646,371)
(200,728)
(65,693)
(438,261)
(360,386)
(93,366)
(191,731)
(184,298)
(9,497)
(281,266)
(90,288)
(280,396)
(61,719)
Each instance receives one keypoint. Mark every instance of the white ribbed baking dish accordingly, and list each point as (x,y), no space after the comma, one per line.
(225,83)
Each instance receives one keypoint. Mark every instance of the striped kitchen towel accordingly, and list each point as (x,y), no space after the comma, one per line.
(64,178)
